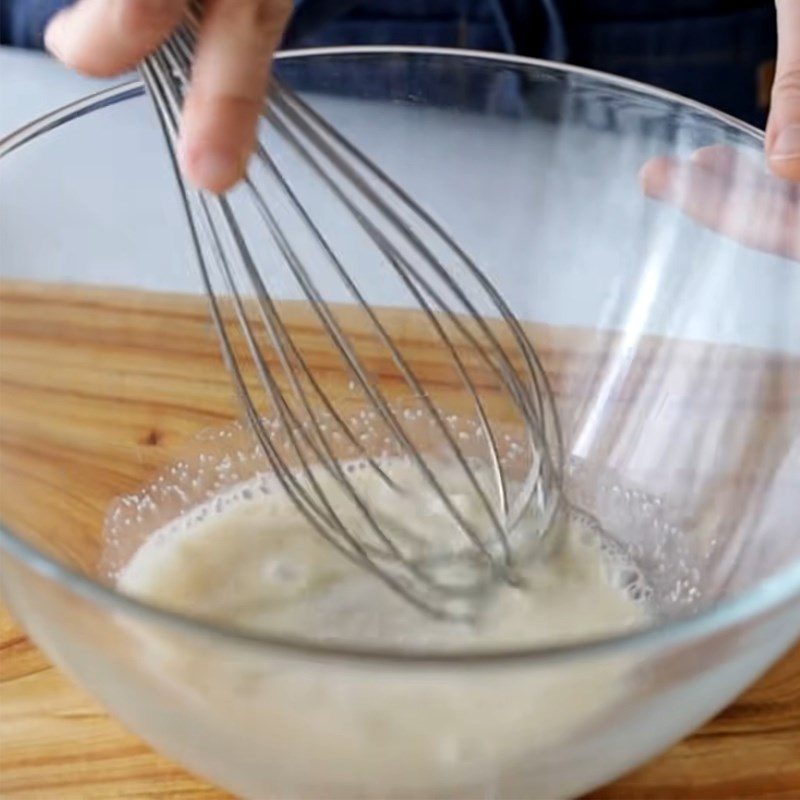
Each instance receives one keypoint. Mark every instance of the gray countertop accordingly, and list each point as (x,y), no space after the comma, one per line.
(657,273)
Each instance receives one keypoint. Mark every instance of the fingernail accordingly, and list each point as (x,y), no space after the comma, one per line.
(215,171)
(658,179)
(52,34)
(787,145)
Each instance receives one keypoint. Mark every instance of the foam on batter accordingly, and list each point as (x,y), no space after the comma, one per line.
(248,557)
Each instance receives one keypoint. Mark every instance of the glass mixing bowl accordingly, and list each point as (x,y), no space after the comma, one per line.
(673,351)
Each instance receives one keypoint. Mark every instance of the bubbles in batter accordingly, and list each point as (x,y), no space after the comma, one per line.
(213,536)
(249,558)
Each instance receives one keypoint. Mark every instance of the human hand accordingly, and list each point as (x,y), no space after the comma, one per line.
(783,128)
(724,189)
(229,78)
(728,191)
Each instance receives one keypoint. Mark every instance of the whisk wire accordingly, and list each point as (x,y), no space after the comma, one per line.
(310,424)
(436,602)
(408,374)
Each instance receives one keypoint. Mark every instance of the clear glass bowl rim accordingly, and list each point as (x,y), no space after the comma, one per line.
(765,596)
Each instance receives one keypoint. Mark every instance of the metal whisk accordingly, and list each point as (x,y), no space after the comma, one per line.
(485,346)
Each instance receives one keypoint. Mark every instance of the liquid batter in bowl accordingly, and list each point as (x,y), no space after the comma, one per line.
(248,557)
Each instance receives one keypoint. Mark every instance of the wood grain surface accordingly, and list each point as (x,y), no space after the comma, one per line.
(58,744)
(98,387)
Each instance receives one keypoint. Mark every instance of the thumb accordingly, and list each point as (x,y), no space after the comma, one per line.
(783,130)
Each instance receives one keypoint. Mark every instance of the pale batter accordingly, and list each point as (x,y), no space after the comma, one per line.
(341,728)
(249,558)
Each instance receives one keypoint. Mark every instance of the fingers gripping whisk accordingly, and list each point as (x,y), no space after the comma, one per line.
(320,264)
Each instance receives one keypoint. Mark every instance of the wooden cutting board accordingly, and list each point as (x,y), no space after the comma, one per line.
(56,743)
(108,382)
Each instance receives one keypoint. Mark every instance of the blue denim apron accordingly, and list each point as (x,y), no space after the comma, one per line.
(717,51)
